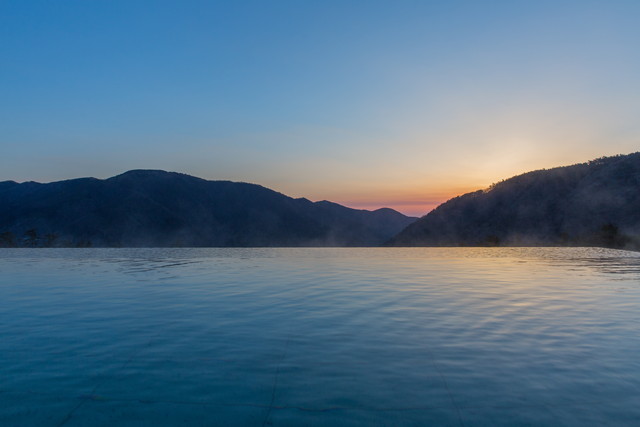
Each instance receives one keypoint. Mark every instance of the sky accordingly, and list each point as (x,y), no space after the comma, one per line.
(402,104)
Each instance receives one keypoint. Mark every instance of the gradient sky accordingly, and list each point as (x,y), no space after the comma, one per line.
(398,103)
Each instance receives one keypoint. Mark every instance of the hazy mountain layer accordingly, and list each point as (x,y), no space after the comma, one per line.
(157,208)
(595,204)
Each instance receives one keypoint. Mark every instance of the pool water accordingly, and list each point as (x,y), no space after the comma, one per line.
(319,337)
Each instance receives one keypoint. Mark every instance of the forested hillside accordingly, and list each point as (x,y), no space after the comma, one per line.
(157,208)
(592,204)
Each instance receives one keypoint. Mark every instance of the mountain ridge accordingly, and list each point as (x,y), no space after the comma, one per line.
(596,203)
(145,207)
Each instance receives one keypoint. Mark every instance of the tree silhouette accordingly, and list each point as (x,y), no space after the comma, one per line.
(7,240)
(610,236)
(31,238)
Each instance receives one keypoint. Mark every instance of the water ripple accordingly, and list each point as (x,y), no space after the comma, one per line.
(427,336)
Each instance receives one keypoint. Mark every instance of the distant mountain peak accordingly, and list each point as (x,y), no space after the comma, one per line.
(147,207)
(144,173)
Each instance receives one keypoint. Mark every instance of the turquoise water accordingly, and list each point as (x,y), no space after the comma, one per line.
(321,337)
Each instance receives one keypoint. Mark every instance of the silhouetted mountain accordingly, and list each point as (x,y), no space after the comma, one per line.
(591,204)
(157,208)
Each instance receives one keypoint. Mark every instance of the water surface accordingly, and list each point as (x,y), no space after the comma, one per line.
(447,336)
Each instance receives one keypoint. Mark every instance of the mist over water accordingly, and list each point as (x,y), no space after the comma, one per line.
(395,336)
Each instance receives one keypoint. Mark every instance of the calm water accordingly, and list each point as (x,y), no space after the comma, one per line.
(319,337)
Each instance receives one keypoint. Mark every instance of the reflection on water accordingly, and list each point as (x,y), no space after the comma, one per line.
(446,336)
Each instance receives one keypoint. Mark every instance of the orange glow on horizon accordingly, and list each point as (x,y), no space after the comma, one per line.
(417,209)
(415,203)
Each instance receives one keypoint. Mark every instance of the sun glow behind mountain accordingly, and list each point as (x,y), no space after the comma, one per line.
(399,104)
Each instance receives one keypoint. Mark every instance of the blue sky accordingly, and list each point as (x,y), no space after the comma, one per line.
(366,103)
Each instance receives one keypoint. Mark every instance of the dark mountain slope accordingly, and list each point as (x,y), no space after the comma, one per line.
(157,208)
(595,203)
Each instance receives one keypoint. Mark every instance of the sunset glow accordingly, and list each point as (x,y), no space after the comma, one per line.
(319,213)
(399,104)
